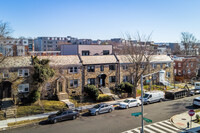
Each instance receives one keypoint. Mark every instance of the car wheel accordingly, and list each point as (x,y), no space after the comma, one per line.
(127,107)
(160,100)
(138,105)
(55,121)
(74,117)
(147,103)
(110,110)
(97,113)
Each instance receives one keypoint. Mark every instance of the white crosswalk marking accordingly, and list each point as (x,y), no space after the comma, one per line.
(161,127)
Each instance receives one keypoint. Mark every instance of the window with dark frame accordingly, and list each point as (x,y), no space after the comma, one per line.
(112,79)
(125,67)
(85,53)
(106,52)
(91,81)
(111,67)
(91,68)
(101,68)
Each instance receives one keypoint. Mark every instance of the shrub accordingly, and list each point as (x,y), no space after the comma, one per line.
(91,91)
(197,117)
(104,97)
(126,87)
(34,96)
(124,95)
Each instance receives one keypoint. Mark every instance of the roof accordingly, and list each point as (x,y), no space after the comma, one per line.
(99,59)
(62,60)
(153,58)
(17,61)
(160,58)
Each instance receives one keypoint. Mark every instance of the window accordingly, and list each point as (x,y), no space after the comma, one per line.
(179,64)
(183,71)
(142,66)
(73,69)
(192,64)
(187,64)
(91,81)
(161,65)
(23,72)
(125,67)
(169,65)
(112,79)
(111,67)
(101,68)
(5,75)
(106,52)
(154,66)
(175,71)
(168,74)
(23,88)
(125,78)
(74,83)
(179,72)
(91,68)
(189,71)
(85,52)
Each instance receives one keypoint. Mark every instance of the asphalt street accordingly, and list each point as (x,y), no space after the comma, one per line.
(118,121)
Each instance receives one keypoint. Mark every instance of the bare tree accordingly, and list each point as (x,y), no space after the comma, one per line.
(5,29)
(189,43)
(138,53)
(5,32)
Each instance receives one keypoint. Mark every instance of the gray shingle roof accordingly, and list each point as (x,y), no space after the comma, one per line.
(18,61)
(98,59)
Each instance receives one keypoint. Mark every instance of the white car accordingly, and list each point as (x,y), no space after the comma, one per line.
(129,103)
(196,101)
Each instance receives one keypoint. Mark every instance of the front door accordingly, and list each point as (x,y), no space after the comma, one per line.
(5,90)
(102,80)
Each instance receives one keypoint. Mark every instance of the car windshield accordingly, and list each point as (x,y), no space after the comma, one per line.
(59,112)
(146,95)
(126,101)
(96,106)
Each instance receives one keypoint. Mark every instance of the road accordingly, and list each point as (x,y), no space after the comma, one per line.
(116,122)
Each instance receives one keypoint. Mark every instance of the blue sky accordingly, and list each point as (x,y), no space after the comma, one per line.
(102,19)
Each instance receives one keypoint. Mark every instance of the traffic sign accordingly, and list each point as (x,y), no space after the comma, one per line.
(147,120)
(191,112)
(136,114)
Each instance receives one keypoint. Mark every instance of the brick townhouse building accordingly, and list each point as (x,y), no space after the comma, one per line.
(185,68)
(73,72)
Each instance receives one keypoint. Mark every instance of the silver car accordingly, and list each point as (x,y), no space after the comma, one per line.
(101,108)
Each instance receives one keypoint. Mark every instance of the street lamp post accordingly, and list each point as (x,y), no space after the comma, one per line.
(142,109)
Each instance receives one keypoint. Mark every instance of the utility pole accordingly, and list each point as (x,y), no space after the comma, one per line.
(142,129)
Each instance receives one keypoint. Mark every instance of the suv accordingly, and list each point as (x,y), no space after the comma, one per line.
(196,101)
(101,108)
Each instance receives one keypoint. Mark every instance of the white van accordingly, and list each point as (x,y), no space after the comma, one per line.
(153,96)
(197,85)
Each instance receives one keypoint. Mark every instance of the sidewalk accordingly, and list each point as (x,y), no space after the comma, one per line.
(4,123)
(180,121)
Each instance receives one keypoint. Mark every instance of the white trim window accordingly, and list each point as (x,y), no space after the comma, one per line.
(189,71)
(125,78)
(22,88)
(187,64)
(179,64)
(73,69)
(179,72)
(23,72)
(192,64)
(5,75)
(74,83)
(168,74)
(154,66)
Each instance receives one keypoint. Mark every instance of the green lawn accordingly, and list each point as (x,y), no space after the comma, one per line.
(38,108)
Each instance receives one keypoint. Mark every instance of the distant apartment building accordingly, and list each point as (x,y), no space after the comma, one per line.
(185,68)
(15,47)
(53,43)
(44,53)
(86,49)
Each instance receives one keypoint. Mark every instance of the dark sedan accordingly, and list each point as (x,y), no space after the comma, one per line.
(63,115)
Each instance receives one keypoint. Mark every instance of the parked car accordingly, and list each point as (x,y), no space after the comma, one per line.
(101,108)
(154,96)
(63,115)
(130,103)
(196,101)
